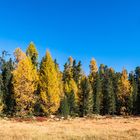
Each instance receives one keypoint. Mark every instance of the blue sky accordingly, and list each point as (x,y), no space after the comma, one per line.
(108,30)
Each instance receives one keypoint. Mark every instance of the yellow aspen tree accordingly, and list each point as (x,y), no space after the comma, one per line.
(59,76)
(124,91)
(49,86)
(24,82)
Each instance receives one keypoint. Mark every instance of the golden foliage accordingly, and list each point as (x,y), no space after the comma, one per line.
(49,85)
(124,91)
(25,80)
(70,86)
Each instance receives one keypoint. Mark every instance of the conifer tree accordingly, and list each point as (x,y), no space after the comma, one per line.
(1,95)
(113,102)
(72,104)
(32,53)
(110,97)
(2,61)
(70,87)
(109,101)
(134,93)
(64,107)
(115,79)
(85,97)
(24,86)
(97,95)
(7,69)
(49,86)
(102,74)
(93,78)
(71,91)
(104,88)
(137,73)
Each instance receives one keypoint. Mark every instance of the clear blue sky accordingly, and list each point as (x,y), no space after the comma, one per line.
(108,30)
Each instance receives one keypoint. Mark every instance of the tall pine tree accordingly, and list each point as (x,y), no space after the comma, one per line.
(7,69)
(109,101)
(102,72)
(85,97)
(64,107)
(24,86)
(1,95)
(97,95)
(93,79)
(137,73)
(134,94)
(70,87)
(49,86)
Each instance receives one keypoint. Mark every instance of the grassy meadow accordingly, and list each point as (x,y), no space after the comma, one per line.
(98,128)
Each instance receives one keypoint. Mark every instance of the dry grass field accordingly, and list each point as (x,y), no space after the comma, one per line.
(104,128)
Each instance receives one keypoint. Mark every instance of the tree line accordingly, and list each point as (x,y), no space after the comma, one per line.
(30,88)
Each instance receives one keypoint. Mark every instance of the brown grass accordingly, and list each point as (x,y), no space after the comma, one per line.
(77,129)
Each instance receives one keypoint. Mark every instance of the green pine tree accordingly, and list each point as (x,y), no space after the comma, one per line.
(102,74)
(1,95)
(64,107)
(71,103)
(137,89)
(85,97)
(97,95)
(7,69)
(109,103)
